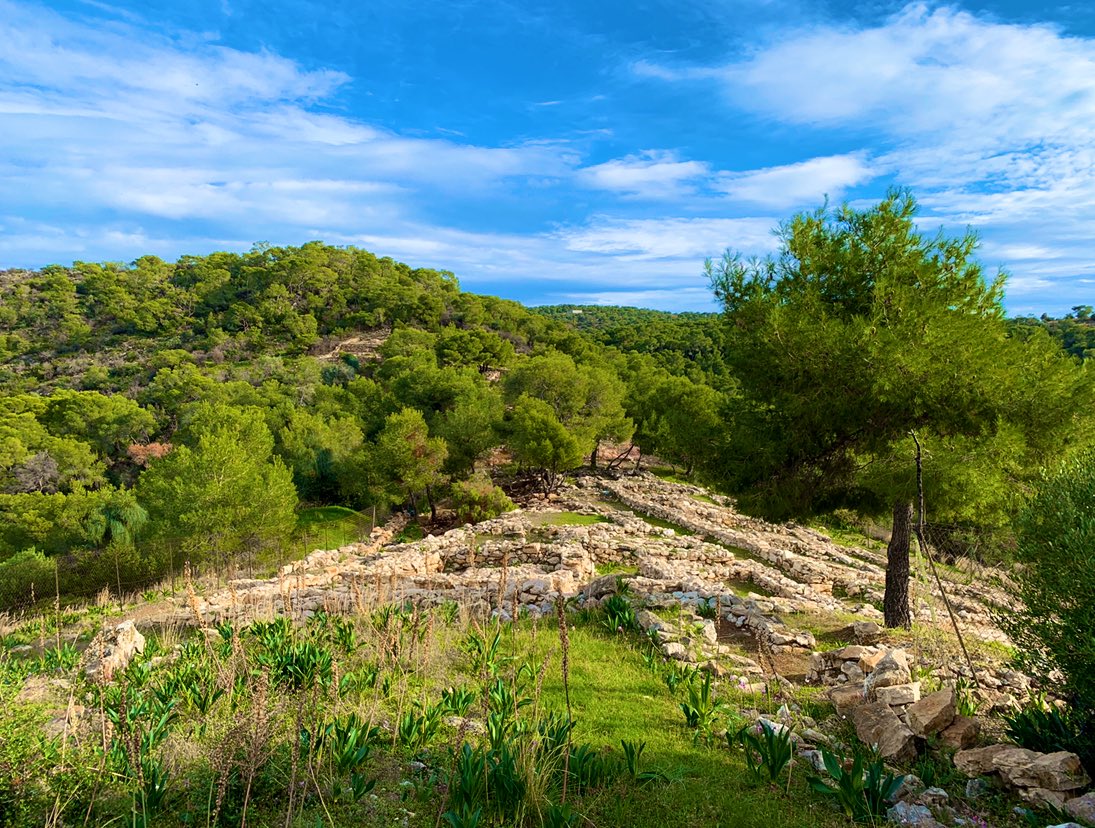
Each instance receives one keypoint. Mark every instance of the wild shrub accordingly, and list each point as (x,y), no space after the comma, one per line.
(1048,729)
(477,499)
(861,788)
(768,749)
(701,711)
(23,574)
(1055,588)
(619,614)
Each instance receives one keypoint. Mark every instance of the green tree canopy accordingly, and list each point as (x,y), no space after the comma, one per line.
(411,458)
(222,496)
(859,331)
(540,442)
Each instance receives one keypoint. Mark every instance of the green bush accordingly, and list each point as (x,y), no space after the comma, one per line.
(23,574)
(1054,629)
(477,498)
(1047,729)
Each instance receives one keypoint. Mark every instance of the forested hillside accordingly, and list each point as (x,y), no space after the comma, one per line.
(160,414)
(157,415)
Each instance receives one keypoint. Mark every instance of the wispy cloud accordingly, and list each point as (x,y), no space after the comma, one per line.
(688,239)
(125,120)
(651,174)
(799,184)
(120,137)
(991,123)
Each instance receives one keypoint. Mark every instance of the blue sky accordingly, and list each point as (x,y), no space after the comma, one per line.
(562,151)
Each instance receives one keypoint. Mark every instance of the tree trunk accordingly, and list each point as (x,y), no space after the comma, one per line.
(593,454)
(896,601)
(433,506)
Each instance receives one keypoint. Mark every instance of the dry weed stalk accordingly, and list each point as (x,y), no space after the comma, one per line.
(504,577)
(564,643)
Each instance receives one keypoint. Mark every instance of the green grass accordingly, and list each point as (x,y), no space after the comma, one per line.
(828,627)
(670,475)
(664,524)
(567,519)
(848,537)
(737,551)
(411,532)
(328,527)
(614,568)
(744,588)
(614,696)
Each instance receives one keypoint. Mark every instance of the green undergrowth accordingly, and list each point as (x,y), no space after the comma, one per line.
(350,721)
(743,589)
(670,475)
(615,568)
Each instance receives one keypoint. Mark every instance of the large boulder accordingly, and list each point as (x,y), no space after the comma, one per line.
(932,713)
(111,651)
(866,632)
(978,761)
(1060,771)
(1022,768)
(906,813)
(876,724)
(846,697)
(898,694)
(960,734)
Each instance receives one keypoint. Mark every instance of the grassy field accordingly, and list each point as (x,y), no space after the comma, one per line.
(217,723)
(328,527)
(615,697)
(566,519)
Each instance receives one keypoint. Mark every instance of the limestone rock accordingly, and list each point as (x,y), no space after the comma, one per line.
(978,761)
(932,713)
(876,724)
(1039,797)
(111,651)
(853,652)
(898,694)
(1060,771)
(847,697)
(675,650)
(961,734)
(1023,768)
(903,813)
(933,796)
(1082,808)
(892,669)
(866,632)
(869,660)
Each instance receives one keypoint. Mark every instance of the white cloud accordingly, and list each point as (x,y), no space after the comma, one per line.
(794,185)
(670,238)
(652,174)
(122,119)
(992,124)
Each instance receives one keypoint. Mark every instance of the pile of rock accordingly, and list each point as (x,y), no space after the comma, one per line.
(1038,778)
(694,640)
(886,706)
